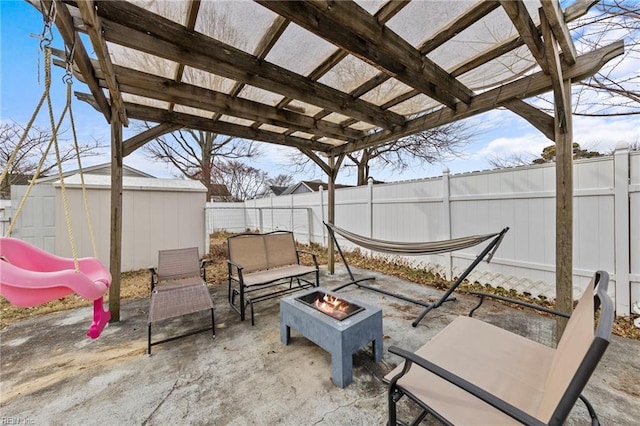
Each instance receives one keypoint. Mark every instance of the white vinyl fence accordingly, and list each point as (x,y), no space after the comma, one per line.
(606,221)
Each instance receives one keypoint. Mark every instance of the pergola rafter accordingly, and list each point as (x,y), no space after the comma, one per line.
(327,77)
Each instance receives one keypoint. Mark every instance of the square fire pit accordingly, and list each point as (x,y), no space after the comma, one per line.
(353,327)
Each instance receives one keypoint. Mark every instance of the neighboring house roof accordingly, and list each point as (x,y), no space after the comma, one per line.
(277,190)
(309,186)
(220,190)
(98,169)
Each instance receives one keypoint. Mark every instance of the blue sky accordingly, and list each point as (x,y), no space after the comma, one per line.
(500,133)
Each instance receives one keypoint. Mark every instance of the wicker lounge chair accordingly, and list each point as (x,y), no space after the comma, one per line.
(475,373)
(178,287)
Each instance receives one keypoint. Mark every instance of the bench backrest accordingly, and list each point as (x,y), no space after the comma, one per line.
(255,252)
(178,263)
(578,351)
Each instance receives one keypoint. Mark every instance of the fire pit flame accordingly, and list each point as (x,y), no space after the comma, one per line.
(330,305)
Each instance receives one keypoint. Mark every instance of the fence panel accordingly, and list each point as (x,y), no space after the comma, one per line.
(521,198)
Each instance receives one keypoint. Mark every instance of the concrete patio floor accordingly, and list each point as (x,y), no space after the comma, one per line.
(52,374)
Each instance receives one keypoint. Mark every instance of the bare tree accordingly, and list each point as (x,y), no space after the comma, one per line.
(242,181)
(198,154)
(430,146)
(615,89)
(510,160)
(25,163)
(280,180)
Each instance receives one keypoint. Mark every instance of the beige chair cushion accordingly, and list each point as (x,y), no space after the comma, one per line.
(505,364)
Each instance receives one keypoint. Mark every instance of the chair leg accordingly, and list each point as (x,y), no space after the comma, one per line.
(213,323)
(149,339)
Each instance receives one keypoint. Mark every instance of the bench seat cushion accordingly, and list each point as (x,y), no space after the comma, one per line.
(503,363)
(270,275)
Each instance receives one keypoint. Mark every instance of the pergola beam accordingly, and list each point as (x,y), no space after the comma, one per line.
(158,115)
(525,87)
(555,18)
(521,19)
(350,27)
(537,118)
(166,90)
(137,28)
(140,139)
(94,29)
(64,23)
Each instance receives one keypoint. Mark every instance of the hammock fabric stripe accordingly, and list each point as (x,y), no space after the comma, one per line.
(412,248)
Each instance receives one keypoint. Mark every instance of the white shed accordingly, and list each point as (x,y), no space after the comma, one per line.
(157,214)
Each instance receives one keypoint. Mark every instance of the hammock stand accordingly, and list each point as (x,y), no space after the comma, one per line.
(413,249)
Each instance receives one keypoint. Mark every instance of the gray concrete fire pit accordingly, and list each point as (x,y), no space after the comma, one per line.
(340,337)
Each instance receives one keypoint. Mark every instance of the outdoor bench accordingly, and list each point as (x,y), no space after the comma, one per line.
(258,264)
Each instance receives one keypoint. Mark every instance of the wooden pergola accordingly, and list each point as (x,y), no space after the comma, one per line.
(326,77)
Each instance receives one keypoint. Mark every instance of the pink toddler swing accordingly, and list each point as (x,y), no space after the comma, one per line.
(30,276)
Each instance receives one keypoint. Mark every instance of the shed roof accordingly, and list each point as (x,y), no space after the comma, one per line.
(134,182)
(326,77)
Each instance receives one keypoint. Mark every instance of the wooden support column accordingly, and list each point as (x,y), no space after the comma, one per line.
(115,259)
(564,212)
(563,135)
(331,210)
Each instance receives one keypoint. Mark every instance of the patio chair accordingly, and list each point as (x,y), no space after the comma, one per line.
(475,373)
(178,287)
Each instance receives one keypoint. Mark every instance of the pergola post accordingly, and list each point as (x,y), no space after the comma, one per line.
(564,209)
(115,257)
(331,211)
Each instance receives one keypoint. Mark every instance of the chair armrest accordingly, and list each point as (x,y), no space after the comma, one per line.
(498,403)
(238,267)
(154,276)
(514,301)
(203,269)
(314,256)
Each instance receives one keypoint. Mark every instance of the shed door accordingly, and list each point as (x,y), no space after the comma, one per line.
(37,222)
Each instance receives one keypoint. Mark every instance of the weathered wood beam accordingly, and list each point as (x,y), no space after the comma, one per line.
(463,22)
(190,24)
(564,214)
(575,11)
(578,8)
(94,29)
(555,18)
(525,87)
(316,159)
(140,139)
(64,23)
(264,47)
(137,28)
(156,87)
(561,99)
(115,233)
(386,12)
(157,115)
(538,118)
(350,27)
(521,19)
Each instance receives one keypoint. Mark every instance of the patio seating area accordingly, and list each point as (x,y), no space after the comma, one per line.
(51,372)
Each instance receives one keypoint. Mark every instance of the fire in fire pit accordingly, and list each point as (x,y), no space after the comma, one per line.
(330,305)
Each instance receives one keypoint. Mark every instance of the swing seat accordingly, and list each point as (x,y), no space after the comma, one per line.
(30,276)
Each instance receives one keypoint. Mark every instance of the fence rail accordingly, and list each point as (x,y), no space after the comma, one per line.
(606,221)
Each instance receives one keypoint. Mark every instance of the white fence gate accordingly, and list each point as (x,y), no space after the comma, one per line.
(606,221)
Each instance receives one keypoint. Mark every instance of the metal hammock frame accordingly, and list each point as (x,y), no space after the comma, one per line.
(414,249)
